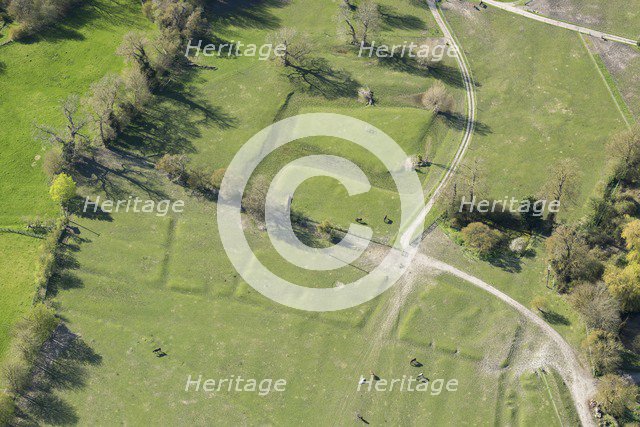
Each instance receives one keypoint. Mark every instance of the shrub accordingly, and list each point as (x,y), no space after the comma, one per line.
(631,236)
(198,180)
(518,245)
(53,162)
(616,394)
(63,189)
(437,99)
(366,95)
(174,165)
(624,284)
(7,409)
(254,199)
(325,227)
(216,178)
(16,376)
(604,350)
(48,257)
(540,303)
(481,238)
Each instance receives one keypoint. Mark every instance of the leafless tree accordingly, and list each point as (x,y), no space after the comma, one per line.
(295,46)
(347,22)
(134,50)
(437,99)
(562,184)
(368,17)
(137,92)
(597,307)
(102,104)
(71,136)
(624,150)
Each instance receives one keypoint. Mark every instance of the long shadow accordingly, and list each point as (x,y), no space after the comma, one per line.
(507,260)
(458,122)
(64,276)
(316,76)
(171,123)
(102,15)
(62,365)
(448,75)
(419,3)
(392,19)
(555,318)
(405,64)
(243,13)
(110,179)
(445,73)
(3,67)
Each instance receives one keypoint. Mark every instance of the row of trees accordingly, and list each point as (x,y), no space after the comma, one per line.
(598,262)
(95,119)
(470,181)
(28,336)
(115,100)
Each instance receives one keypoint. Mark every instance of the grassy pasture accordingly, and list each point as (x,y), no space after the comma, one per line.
(225,328)
(34,76)
(538,103)
(17,259)
(144,281)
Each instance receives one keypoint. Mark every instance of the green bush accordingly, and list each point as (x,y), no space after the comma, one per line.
(481,238)
(48,258)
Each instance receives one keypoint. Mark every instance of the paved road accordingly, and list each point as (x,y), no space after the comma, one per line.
(514,9)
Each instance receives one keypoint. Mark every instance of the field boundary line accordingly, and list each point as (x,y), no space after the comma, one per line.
(543,376)
(561,24)
(604,79)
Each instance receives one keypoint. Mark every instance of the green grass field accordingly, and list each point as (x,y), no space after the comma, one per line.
(139,281)
(34,77)
(222,327)
(538,102)
(176,289)
(18,255)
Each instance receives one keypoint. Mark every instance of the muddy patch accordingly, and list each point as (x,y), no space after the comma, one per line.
(586,15)
(623,62)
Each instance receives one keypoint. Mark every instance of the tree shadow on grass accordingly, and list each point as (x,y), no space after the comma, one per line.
(64,276)
(555,318)
(458,122)
(447,74)
(506,260)
(317,77)
(103,15)
(3,67)
(392,19)
(404,64)
(243,13)
(116,176)
(62,365)
(171,123)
